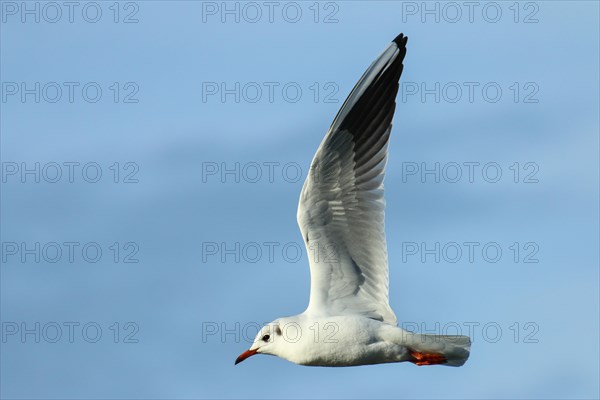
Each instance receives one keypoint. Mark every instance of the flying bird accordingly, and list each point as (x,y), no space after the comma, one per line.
(348,320)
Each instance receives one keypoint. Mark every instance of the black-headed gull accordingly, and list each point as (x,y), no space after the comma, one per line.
(341,216)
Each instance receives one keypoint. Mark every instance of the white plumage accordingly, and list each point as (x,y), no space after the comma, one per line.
(341,216)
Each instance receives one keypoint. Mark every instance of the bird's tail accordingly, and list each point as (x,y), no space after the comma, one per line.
(450,350)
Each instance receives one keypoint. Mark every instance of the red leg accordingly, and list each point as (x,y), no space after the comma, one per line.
(427,358)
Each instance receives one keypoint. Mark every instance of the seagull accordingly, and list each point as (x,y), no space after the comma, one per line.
(348,321)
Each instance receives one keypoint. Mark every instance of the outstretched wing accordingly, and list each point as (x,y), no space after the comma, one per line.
(341,209)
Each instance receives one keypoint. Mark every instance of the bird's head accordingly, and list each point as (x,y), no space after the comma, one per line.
(267,341)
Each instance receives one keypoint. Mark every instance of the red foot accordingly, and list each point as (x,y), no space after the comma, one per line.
(427,358)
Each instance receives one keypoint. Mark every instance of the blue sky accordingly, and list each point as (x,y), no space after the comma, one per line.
(193,257)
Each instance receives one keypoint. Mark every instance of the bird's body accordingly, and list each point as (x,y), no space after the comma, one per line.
(341,216)
(340,341)
(343,341)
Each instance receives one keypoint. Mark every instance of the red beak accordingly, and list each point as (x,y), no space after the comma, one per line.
(245,355)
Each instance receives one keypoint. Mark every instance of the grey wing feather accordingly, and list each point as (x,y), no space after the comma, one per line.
(341,209)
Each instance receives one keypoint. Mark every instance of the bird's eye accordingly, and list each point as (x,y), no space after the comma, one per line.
(266,338)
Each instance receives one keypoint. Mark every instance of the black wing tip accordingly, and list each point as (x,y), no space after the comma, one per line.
(401,40)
